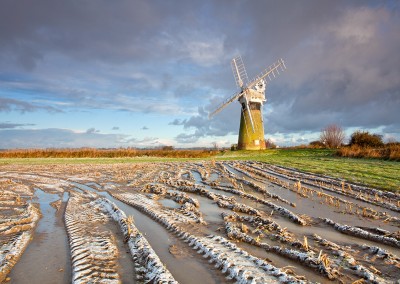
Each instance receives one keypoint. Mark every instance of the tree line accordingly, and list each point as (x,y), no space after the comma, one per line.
(361,144)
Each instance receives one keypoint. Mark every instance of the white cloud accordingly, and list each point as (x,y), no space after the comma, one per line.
(207,52)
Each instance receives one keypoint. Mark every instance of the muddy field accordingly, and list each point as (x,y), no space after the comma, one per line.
(200,222)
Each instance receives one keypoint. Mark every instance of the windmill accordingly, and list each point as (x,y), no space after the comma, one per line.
(251,96)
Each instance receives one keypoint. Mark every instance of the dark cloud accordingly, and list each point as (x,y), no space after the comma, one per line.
(186,138)
(177,121)
(127,31)
(226,122)
(10,125)
(342,62)
(85,31)
(7,105)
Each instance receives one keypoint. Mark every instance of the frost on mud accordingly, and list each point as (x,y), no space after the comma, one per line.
(252,223)
(150,266)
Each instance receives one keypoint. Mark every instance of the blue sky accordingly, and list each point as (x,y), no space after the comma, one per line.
(147,73)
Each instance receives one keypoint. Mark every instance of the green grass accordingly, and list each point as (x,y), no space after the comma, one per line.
(372,172)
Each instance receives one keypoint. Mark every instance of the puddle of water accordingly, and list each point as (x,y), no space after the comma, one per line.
(197,176)
(125,261)
(213,177)
(96,185)
(210,210)
(169,203)
(65,196)
(47,259)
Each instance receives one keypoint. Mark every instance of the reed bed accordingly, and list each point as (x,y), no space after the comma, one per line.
(391,152)
(105,153)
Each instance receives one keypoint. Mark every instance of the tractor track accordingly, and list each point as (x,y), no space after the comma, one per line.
(237,220)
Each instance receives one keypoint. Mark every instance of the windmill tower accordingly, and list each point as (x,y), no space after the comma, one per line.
(251,96)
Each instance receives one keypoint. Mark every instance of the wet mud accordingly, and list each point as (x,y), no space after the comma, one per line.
(200,222)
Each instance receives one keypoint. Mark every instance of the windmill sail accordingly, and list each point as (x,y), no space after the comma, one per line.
(270,70)
(239,72)
(249,112)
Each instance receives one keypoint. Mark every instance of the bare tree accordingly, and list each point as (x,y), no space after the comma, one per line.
(332,136)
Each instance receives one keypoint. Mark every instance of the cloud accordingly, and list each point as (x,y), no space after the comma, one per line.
(145,142)
(173,58)
(10,125)
(177,121)
(187,138)
(7,105)
(343,68)
(115,128)
(206,52)
(144,128)
(92,130)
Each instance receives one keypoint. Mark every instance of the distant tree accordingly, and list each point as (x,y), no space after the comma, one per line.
(269,144)
(317,144)
(167,148)
(215,145)
(366,139)
(332,136)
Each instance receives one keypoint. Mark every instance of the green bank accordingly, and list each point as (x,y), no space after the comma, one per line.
(372,172)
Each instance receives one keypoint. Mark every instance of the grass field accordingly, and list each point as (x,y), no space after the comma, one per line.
(372,172)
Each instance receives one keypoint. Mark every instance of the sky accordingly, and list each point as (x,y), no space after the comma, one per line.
(147,73)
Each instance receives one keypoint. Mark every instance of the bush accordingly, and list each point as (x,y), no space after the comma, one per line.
(269,144)
(316,144)
(365,139)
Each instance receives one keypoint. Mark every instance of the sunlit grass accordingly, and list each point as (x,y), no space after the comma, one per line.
(372,172)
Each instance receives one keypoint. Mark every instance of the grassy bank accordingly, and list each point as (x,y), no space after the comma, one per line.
(372,172)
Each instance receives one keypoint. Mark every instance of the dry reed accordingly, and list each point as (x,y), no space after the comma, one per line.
(390,152)
(104,153)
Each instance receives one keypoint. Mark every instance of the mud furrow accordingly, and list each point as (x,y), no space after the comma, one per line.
(235,262)
(15,236)
(93,251)
(151,269)
(249,232)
